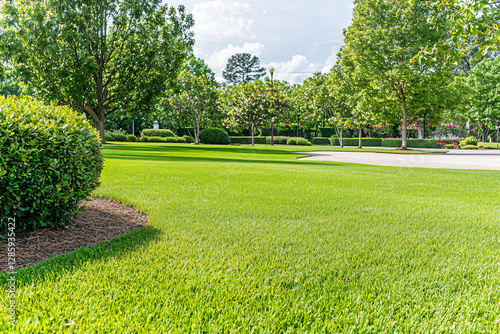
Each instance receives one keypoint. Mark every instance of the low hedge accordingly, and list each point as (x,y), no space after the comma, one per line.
(50,161)
(157,133)
(470,147)
(247,140)
(449,146)
(355,141)
(214,136)
(279,140)
(487,145)
(303,142)
(119,136)
(291,141)
(181,140)
(109,136)
(321,141)
(131,138)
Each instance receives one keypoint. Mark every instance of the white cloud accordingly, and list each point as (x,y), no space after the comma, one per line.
(299,68)
(217,61)
(219,19)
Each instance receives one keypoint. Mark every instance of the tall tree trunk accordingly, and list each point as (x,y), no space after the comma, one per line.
(272,134)
(196,130)
(99,125)
(253,141)
(404,126)
(420,133)
(341,138)
(360,133)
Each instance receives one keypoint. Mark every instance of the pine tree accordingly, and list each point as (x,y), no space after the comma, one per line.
(243,68)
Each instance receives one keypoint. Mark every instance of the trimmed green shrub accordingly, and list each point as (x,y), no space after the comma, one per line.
(449,146)
(144,138)
(291,141)
(214,136)
(189,139)
(155,139)
(321,141)
(326,132)
(248,140)
(170,139)
(303,141)
(181,140)
(277,140)
(131,138)
(51,160)
(119,136)
(109,136)
(470,141)
(470,147)
(236,144)
(157,133)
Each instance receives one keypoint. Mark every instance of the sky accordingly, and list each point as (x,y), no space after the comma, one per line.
(297,38)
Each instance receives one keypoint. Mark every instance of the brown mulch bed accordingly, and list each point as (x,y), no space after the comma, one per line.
(102,220)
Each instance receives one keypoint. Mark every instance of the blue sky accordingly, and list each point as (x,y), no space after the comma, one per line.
(291,36)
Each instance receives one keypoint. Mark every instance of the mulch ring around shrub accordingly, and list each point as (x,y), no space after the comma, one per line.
(102,220)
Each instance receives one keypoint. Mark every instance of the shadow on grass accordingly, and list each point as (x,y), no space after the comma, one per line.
(53,267)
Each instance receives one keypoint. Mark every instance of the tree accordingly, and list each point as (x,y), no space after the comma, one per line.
(246,105)
(195,95)
(484,80)
(382,41)
(474,26)
(96,56)
(243,68)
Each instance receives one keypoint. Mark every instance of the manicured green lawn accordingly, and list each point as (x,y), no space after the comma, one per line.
(248,238)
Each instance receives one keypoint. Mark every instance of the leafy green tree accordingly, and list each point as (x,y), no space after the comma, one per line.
(484,80)
(382,40)
(194,98)
(94,55)
(473,27)
(246,106)
(243,68)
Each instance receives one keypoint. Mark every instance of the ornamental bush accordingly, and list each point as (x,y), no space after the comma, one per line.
(109,136)
(470,147)
(181,140)
(119,136)
(144,138)
(291,141)
(280,140)
(157,133)
(189,139)
(50,160)
(131,138)
(214,136)
(303,141)
(470,141)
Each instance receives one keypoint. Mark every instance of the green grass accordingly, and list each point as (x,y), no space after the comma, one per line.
(297,148)
(246,238)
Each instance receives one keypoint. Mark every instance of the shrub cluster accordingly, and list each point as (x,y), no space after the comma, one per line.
(189,139)
(157,133)
(131,138)
(279,140)
(469,141)
(321,141)
(449,146)
(163,139)
(298,141)
(355,141)
(214,136)
(50,161)
(487,145)
(470,147)
(247,140)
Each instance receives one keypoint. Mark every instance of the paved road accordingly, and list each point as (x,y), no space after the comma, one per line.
(456,159)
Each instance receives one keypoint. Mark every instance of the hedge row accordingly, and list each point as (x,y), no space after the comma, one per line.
(157,133)
(279,140)
(321,141)
(355,142)
(163,139)
(248,140)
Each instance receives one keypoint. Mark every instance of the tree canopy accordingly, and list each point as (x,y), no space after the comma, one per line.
(243,68)
(96,56)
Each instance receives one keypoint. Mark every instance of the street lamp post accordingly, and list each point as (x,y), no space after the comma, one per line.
(498,127)
(271,70)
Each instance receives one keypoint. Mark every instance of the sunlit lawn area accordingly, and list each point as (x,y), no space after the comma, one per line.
(246,238)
